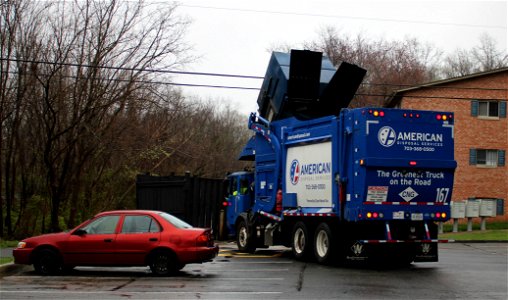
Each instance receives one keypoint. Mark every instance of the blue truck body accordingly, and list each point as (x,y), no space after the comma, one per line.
(364,184)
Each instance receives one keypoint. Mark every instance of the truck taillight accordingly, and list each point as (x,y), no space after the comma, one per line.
(376,113)
(411,115)
(373,215)
(439,215)
(225,203)
(444,117)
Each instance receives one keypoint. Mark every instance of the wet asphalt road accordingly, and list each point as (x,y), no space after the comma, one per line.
(465,271)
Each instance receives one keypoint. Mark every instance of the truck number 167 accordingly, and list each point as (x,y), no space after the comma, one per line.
(442,195)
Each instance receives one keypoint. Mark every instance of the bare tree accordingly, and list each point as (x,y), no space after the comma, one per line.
(20,23)
(78,68)
(390,64)
(483,57)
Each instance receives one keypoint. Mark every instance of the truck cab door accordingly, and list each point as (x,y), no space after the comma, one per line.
(240,198)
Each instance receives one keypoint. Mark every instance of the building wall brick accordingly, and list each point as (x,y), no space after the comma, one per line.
(471,132)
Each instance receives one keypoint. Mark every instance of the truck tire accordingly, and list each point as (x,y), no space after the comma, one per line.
(244,238)
(301,242)
(323,244)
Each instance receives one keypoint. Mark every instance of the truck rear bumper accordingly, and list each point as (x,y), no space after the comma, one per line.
(393,251)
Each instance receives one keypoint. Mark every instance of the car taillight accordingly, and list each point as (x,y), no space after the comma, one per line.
(204,239)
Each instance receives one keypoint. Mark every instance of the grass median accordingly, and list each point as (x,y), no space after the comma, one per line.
(495,232)
(486,235)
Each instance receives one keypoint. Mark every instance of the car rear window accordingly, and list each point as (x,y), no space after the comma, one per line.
(175,221)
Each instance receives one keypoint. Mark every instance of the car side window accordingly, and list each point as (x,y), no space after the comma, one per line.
(139,224)
(102,225)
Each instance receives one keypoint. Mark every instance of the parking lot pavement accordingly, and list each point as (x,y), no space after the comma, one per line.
(229,249)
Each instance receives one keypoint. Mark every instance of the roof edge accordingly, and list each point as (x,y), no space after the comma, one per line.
(394,99)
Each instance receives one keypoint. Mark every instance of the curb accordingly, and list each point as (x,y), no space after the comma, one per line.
(12,268)
(480,241)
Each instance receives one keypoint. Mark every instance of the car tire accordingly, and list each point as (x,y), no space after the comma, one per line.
(163,263)
(244,238)
(323,244)
(47,262)
(301,241)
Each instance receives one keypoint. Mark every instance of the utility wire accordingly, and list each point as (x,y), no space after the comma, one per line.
(211,74)
(343,17)
(132,69)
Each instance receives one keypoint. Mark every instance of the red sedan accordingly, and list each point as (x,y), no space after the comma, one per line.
(120,238)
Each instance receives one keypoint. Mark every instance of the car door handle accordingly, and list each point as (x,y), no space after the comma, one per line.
(108,240)
(153,239)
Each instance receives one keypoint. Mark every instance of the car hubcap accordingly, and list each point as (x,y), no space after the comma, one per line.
(47,263)
(161,264)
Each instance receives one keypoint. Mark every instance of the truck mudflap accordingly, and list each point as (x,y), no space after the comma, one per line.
(396,251)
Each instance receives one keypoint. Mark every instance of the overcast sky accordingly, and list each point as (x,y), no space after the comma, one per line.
(233,37)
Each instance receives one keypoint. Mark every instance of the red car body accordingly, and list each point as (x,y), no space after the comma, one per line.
(120,238)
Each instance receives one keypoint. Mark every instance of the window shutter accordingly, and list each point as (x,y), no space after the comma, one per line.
(501,155)
(472,156)
(474,108)
(502,109)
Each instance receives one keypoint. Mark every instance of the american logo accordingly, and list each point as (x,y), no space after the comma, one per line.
(294,172)
(386,136)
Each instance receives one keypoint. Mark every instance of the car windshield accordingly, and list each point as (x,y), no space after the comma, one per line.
(175,221)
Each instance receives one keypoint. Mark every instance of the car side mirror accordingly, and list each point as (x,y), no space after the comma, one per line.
(79,232)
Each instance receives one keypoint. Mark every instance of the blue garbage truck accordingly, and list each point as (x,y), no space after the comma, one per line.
(363,184)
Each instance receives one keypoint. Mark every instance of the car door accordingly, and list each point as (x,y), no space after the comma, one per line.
(94,243)
(139,234)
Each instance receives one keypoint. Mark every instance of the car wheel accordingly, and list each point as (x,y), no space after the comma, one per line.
(323,243)
(163,263)
(47,262)
(301,244)
(244,238)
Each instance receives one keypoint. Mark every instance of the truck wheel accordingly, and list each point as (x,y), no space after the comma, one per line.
(323,243)
(301,242)
(243,238)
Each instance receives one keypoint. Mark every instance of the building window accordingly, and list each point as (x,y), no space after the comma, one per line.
(487,157)
(488,109)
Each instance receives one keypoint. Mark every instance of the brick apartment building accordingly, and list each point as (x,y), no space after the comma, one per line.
(481,129)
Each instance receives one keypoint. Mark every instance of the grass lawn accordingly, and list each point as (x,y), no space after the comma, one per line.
(8,244)
(5,260)
(477,235)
